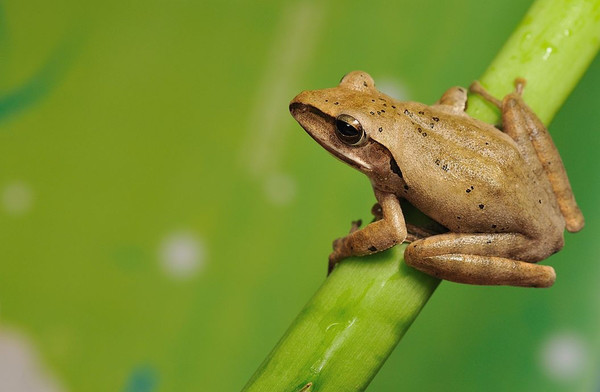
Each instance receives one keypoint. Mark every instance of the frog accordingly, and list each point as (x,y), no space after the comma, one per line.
(501,193)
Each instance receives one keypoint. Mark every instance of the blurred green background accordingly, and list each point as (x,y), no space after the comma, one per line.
(163,218)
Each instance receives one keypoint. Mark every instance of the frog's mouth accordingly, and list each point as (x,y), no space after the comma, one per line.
(321,127)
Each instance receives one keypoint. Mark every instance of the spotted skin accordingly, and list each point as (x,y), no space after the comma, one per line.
(492,192)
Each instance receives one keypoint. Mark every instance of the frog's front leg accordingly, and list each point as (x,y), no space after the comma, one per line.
(413,232)
(480,258)
(454,98)
(376,236)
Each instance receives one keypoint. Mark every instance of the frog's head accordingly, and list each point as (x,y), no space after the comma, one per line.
(341,120)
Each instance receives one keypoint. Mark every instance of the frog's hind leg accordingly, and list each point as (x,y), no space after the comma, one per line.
(481,258)
(477,88)
(537,147)
(455,98)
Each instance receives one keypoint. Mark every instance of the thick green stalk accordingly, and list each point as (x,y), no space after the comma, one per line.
(551,48)
(347,330)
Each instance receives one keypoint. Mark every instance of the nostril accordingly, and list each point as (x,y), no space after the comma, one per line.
(297,107)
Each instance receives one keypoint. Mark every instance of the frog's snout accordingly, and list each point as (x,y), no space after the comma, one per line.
(297,108)
(298,104)
(311,118)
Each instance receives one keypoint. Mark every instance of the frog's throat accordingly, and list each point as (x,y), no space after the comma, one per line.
(321,127)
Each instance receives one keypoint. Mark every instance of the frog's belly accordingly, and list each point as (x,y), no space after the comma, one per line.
(498,197)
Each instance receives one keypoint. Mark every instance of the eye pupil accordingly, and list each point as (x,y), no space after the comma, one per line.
(349,130)
(346,129)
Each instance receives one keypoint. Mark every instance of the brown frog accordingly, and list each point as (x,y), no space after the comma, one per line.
(504,196)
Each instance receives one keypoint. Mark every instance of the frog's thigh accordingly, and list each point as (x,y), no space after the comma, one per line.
(454,97)
(539,151)
(483,258)
(537,148)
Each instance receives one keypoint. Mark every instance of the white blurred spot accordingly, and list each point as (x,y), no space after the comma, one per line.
(280,189)
(564,356)
(182,254)
(17,198)
(393,88)
(20,370)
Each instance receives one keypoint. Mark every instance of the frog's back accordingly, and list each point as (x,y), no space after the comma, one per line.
(468,175)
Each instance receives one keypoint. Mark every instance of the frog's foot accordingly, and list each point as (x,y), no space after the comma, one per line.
(338,246)
(477,88)
(355,226)
(337,255)
(520,85)
(454,97)
(482,258)
(376,236)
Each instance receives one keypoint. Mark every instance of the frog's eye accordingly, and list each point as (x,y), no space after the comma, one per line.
(349,130)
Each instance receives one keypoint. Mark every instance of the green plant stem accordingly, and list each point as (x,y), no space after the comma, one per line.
(347,330)
(349,327)
(551,48)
